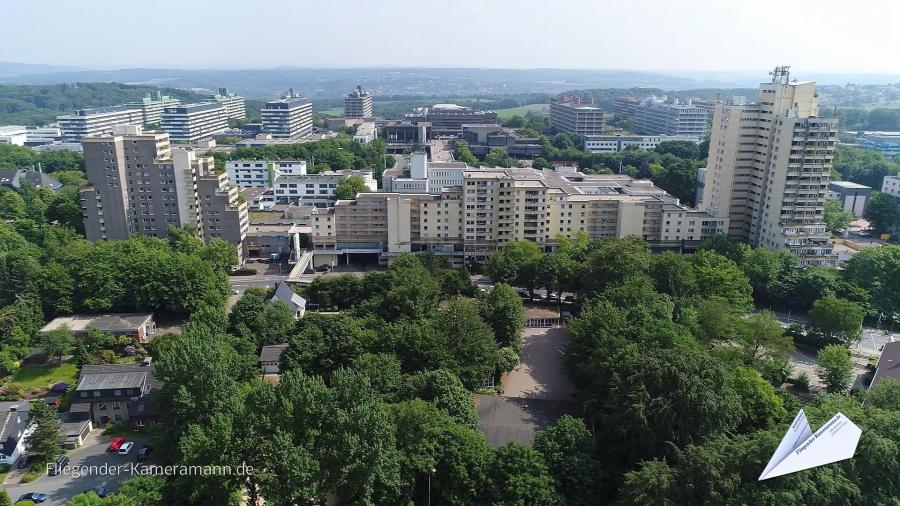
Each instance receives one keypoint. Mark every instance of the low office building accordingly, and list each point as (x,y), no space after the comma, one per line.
(262,173)
(152,106)
(619,143)
(288,118)
(400,136)
(97,121)
(575,115)
(493,206)
(447,120)
(657,116)
(316,189)
(853,196)
(115,393)
(483,138)
(38,136)
(358,104)
(235,105)
(138,326)
(194,122)
(13,430)
(15,178)
(365,133)
(886,143)
(13,135)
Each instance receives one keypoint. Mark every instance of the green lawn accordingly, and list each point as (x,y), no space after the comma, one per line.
(334,111)
(39,376)
(522,110)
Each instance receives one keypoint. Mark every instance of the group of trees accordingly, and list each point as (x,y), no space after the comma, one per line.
(339,153)
(374,405)
(877,119)
(41,104)
(862,166)
(47,270)
(683,385)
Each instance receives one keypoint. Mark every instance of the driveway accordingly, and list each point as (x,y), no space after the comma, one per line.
(62,487)
(540,374)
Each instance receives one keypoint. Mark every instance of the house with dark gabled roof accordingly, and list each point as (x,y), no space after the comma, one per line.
(116,393)
(291,299)
(13,426)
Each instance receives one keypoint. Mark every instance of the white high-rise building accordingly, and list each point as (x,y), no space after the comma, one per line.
(97,121)
(768,169)
(288,118)
(194,122)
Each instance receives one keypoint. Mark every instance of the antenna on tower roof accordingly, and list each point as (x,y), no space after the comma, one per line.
(781,73)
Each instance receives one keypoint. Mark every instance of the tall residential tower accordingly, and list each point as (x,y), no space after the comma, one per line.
(768,169)
(358,104)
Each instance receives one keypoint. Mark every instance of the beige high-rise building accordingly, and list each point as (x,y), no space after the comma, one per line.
(467,223)
(768,169)
(140,185)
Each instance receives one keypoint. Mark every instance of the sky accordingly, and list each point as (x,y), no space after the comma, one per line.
(662,35)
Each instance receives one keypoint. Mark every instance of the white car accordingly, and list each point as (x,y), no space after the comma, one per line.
(125,448)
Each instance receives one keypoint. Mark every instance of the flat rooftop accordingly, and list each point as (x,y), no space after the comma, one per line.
(105,322)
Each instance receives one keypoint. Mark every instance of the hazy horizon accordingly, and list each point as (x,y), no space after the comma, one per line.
(644,35)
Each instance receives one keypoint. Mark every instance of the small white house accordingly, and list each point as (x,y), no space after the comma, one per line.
(13,430)
(292,300)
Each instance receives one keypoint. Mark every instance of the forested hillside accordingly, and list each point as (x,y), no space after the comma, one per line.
(38,105)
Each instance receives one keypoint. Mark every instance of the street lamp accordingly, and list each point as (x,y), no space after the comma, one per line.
(429,472)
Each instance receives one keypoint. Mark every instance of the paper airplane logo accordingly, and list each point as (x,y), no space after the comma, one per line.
(801,449)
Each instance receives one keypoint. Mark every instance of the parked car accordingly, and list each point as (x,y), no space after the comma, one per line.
(23,461)
(144,452)
(115,444)
(101,492)
(60,388)
(58,466)
(35,497)
(323,268)
(126,448)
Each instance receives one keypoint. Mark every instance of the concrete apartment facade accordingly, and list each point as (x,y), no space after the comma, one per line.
(194,122)
(289,118)
(316,189)
(140,185)
(152,107)
(235,105)
(262,173)
(576,115)
(769,166)
(97,121)
(657,116)
(853,197)
(618,143)
(493,206)
(358,104)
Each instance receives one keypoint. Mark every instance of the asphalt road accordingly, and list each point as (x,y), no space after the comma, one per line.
(872,339)
(62,487)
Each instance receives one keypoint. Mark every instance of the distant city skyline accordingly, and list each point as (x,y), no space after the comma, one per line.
(645,35)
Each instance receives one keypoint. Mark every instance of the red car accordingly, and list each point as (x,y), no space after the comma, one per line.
(115,444)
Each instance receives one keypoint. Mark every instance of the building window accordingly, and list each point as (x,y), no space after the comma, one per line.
(101,405)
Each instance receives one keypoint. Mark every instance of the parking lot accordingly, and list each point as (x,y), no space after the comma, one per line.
(107,470)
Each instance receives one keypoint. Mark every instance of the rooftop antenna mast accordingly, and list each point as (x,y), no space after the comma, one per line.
(781,74)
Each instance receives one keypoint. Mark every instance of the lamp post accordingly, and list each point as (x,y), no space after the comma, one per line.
(429,472)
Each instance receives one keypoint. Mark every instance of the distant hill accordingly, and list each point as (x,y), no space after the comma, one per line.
(41,104)
(319,83)
(10,69)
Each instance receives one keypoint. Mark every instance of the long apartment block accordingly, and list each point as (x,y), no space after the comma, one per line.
(575,115)
(493,206)
(194,122)
(97,121)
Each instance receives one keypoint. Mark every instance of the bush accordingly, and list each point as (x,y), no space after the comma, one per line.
(106,357)
(12,392)
(802,382)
